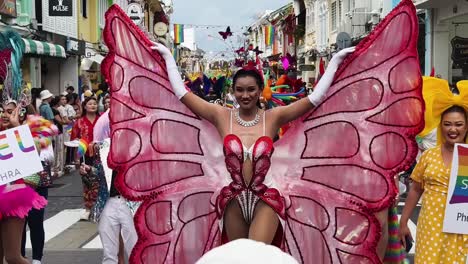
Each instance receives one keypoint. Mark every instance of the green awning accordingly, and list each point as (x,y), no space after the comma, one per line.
(43,48)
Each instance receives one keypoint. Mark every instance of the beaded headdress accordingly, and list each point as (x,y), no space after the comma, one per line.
(13,89)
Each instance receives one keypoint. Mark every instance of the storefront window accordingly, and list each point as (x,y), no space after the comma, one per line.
(459,58)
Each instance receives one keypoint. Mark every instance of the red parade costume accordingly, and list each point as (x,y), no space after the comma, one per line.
(326,178)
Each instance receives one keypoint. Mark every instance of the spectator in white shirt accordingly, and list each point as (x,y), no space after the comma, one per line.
(66,110)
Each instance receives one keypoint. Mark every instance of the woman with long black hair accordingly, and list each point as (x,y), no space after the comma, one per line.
(83,129)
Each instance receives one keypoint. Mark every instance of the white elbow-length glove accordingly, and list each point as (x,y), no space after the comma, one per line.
(174,76)
(327,79)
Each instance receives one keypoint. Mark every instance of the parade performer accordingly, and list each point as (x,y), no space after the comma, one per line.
(83,131)
(315,193)
(116,227)
(230,99)
(17,199)
(431,177)
(39,181)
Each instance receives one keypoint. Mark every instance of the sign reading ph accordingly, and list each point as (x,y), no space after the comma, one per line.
(60,8)
(456,210)
(18,154)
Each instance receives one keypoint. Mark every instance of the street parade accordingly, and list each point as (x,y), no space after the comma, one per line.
(203,132)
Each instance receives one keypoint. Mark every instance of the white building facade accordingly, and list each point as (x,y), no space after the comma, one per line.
(326,19)
(56,73)
(443,26)
(446,32)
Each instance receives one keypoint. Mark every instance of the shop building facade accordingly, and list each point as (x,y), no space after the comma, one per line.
(66,49)
(446,45)
(41,50)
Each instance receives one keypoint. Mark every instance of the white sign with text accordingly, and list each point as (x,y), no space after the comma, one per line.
(18,155)
(456,209)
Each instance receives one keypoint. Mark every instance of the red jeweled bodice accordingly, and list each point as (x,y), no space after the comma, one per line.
(261,160)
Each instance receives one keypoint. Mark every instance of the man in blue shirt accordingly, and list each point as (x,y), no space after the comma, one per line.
(45,109)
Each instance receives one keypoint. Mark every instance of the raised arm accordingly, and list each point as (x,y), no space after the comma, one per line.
(199,106)
(293,111)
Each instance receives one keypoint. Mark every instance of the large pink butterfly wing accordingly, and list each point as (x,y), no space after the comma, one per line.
(165,155)
(336,166)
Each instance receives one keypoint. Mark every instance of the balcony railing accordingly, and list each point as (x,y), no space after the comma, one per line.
(427,4)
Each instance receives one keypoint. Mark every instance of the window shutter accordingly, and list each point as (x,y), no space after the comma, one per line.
(84,8)
(66,26)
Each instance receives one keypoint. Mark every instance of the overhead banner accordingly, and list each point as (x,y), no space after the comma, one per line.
(456,209)
(18,155)
(60,8)
(269,35)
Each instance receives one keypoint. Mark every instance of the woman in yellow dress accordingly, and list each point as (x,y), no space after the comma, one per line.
(431,178)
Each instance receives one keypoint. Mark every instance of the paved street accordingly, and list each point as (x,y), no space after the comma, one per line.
(69,240)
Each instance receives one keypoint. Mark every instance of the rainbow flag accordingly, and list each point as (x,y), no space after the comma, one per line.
(68,128)
(395,252)
(269,35)
(460,194)
(82,147)
(178,33)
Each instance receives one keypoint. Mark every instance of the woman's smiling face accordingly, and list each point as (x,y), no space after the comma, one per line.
(454,127)
(247,92)
(7,111)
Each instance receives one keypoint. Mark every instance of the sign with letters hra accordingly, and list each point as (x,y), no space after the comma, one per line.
(18,154)
(60,8)
(456,209)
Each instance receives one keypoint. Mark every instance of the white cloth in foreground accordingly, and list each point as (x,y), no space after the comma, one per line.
(117,218)
(246,251)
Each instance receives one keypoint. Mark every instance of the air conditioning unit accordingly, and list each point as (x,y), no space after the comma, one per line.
(361,4)
(23,19)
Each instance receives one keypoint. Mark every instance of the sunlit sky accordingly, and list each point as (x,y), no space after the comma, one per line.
(238,14)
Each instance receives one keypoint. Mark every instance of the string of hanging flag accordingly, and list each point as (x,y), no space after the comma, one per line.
(201,26)
(269,31)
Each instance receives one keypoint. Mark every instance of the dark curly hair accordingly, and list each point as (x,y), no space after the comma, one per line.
(455,109)
(252,72)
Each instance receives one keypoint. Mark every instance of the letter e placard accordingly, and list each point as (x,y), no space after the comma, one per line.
(18,155)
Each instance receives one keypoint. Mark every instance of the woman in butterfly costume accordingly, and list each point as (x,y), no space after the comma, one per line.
(321,185)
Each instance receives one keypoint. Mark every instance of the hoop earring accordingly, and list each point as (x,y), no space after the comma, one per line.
(22,112)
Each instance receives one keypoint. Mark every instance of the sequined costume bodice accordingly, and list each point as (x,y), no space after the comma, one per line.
(249,194)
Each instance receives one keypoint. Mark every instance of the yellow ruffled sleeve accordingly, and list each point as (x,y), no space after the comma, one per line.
(418,173)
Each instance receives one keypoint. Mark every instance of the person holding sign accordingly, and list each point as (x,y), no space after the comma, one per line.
(431,178)
(16,146)
(17,199)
